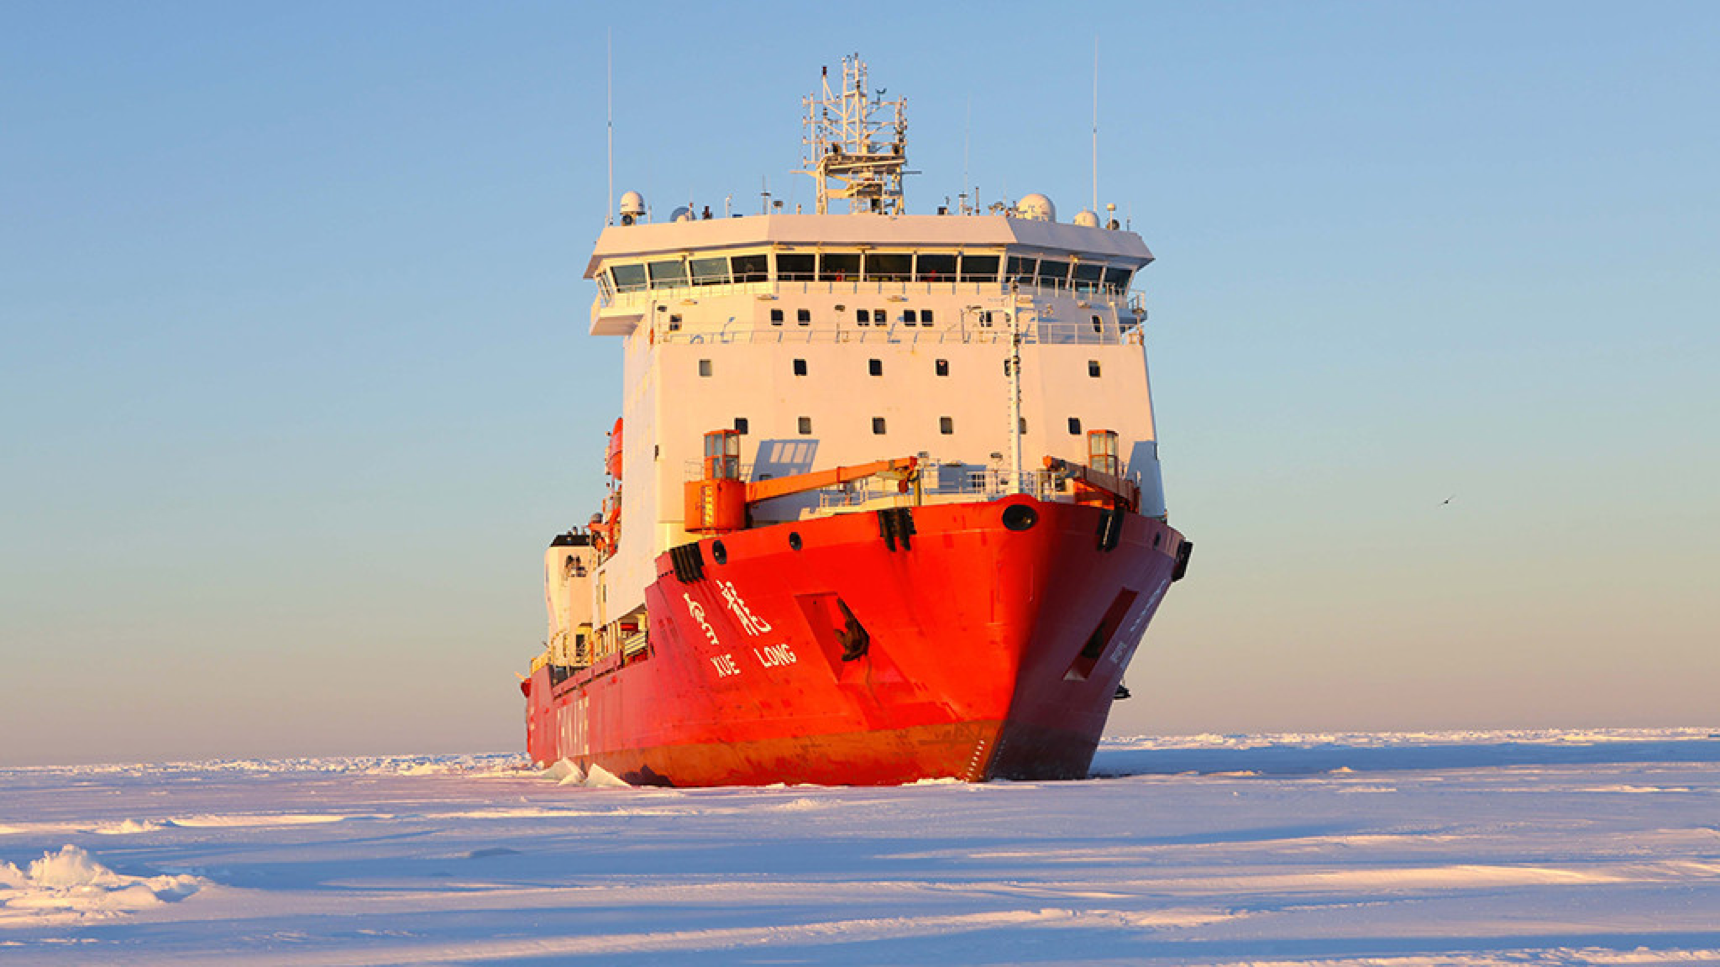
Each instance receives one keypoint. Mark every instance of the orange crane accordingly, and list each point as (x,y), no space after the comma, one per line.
(1096,486)
(717,503)
(905,469)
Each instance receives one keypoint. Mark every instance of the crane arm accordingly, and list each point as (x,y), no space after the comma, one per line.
(903,467)
(1124,491)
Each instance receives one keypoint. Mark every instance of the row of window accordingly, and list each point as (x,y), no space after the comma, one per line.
(875,367)
(946,425)
(881,317)
(862,317)
(683,271)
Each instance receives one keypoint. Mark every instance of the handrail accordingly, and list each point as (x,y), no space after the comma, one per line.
(1043,332)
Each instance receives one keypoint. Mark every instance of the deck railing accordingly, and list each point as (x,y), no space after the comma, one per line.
(1033,332)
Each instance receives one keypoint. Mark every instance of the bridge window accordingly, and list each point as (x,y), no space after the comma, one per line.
(1117,279)
(889,266)
(667,274)
(1022,267)
(936,268)
(1053,273)
(709,271)
(979,268)
(751,268)
(838,266)
(795,267)
(1088,276)
(628,278)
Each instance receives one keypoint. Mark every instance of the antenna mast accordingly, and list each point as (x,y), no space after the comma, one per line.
(1095,208)
(609,97)
(850,153)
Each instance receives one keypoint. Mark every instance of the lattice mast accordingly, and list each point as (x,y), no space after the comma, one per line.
(856,144)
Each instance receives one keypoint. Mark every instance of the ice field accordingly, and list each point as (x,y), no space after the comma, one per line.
(1397,850)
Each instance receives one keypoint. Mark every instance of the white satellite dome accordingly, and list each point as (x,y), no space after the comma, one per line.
(632,207)
(1086,219)
(1037,207)
(682,214)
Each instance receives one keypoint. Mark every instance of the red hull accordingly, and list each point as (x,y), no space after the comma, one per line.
(983,651)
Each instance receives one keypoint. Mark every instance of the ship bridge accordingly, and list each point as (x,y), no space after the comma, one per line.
(638,267)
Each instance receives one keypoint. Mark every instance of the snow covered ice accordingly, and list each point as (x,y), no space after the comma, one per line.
(1446,848)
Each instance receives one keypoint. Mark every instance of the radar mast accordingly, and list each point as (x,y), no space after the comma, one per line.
(856,143)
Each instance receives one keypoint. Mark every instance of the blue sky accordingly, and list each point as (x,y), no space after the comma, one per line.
(295,385)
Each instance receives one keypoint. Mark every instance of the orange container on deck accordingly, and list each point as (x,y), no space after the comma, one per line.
(716,506)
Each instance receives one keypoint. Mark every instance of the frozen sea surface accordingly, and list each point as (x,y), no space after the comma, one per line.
(1394,850)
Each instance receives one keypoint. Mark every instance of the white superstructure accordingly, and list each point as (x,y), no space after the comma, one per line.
(834,339)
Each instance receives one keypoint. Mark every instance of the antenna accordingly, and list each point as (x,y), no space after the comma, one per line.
(967,135)
(851,154)
(1095,124)
(609,96)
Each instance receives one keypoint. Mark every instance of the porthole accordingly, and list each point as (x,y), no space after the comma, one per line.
(1019,517)
(794,540)
(719,553)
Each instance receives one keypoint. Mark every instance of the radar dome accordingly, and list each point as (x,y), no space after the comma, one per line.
(1037,207)
(1086,219)
(632,207)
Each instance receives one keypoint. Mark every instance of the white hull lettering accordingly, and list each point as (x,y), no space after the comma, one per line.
(775,656)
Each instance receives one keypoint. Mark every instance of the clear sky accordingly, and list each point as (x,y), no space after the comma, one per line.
(295,386)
